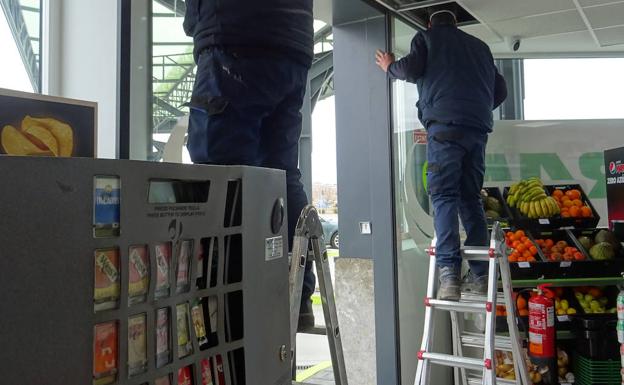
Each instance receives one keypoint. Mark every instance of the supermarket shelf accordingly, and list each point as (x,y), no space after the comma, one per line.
(605,281)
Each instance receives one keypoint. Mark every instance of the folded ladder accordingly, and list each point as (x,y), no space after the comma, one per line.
(309,240)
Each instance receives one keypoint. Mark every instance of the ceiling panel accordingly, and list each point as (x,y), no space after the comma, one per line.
(611,36)
(509,9)
(482,32)
(606,16)
(547,46)
(557,23)
(587,3)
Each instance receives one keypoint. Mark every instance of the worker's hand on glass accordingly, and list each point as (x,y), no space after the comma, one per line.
(384,59)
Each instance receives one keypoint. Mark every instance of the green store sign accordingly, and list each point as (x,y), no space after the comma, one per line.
(547,165)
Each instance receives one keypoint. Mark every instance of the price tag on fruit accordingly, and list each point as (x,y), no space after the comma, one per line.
(524,265)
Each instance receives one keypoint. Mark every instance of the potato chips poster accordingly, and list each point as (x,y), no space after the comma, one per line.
(39,125)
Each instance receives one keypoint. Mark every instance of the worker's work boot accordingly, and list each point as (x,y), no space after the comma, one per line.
(449,284)
(306,316)
(475,284)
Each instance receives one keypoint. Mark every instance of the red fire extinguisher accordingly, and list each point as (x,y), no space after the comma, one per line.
(542,324)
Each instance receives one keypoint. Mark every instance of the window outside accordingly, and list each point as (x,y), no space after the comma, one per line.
(573,88)
(20,37)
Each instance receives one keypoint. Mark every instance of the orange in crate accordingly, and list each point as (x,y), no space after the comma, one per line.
(573,194)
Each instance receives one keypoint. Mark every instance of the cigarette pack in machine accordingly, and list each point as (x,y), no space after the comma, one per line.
(106,208)
(105,353)
(163,338)
(107,288)
(138,274)
(137,344)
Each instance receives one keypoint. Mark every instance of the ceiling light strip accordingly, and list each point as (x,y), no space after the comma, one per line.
(421,4)
(395,12)
(603,4)
(587,23)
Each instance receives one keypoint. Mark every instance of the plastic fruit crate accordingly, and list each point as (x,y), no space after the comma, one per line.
(505,218)
(562,268)
(596,372)
(582,222)
(520,221)
(596,337)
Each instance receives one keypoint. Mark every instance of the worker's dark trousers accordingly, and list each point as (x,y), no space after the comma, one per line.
(245,110)
(456,166)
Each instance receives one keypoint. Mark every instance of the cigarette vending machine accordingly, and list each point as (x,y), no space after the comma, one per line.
(131,273)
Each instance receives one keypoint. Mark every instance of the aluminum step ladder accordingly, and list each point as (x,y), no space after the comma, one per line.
(308,243)
(484,367)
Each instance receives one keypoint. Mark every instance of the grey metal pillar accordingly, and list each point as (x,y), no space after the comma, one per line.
(513,71)
(364,159)
(305,144)
(141,80)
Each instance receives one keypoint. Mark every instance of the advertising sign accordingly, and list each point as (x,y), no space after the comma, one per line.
(40,125)
(614,178)
(558,152)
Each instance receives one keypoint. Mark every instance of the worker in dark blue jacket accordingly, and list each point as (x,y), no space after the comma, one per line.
(458,86)
(252,61)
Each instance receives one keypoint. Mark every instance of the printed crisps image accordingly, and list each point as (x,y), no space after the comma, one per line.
(42,125)
(38,137)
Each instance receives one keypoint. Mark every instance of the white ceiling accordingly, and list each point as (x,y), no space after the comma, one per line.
(323,10)
(549,27)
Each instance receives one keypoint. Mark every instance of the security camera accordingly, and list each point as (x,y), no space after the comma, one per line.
(514,43)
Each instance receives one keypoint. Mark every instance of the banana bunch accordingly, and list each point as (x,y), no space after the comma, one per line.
(529,197)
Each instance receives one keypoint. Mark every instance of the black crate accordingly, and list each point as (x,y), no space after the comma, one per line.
(597,268)
(530,270)
(594,321)
(505,218)
(520,221)
(586,268)
(591,233)
(578,223)
(596,337)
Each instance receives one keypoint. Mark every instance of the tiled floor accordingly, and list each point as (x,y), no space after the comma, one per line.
(313,350)
(324,377)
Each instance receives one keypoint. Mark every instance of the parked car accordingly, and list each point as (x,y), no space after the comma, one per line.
(330,232)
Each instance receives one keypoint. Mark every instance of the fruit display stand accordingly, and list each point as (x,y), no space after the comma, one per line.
(106,266)
(561,246)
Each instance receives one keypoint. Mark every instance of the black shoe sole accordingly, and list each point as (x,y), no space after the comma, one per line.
(306,322)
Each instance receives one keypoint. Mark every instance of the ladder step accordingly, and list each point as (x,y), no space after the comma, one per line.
(477,340)
(476,253)
(471,297)
(453,361)
(499,381)
(465,307)
(316,330)
(471,253)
